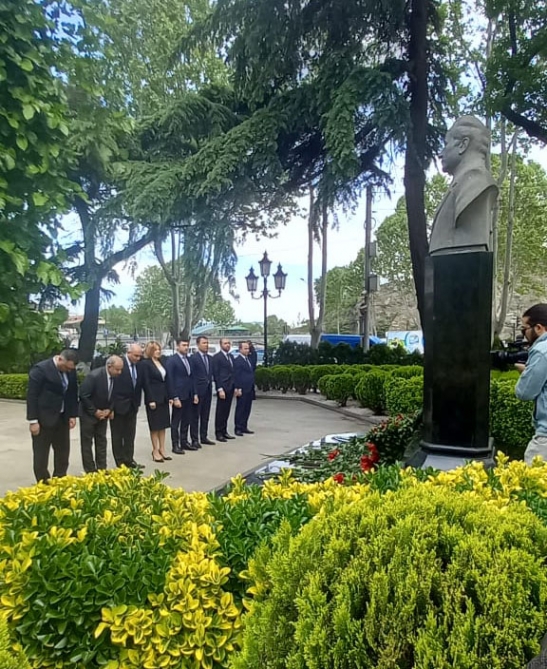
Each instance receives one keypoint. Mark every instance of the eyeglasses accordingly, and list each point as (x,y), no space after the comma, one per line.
(525,329)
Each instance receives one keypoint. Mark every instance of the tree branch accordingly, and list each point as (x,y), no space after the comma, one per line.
(128,252)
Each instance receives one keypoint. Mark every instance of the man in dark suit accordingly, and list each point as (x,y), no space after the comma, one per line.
(96,409)
(52,408)
(180,387)
(202,371)
(223,373)
(127,399)
(244,377)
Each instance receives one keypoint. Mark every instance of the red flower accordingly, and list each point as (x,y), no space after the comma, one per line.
(333,454)
(339,478)
(366,463)
(373,452)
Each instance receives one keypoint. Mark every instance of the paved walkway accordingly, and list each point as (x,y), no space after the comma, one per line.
(279,426)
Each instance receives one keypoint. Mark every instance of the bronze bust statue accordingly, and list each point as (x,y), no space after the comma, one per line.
(463,221)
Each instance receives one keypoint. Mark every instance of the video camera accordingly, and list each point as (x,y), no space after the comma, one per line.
(513,352)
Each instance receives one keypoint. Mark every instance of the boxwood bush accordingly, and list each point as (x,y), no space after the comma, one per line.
(370,391)
(282,378)
(301,379)
(263,378)
(13,386)
(425,577)
(404,396)
(340,387)
(510,418)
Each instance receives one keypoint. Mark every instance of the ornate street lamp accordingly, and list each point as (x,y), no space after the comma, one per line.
(280,278)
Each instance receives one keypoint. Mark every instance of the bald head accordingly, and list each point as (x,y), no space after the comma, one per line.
(134,353)
(114,365)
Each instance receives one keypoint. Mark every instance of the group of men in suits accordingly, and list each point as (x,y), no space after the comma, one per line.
(190,382)
(112,395)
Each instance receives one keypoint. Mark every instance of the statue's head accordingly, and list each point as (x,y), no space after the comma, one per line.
(467,139)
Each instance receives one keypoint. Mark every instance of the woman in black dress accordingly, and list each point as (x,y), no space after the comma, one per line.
(156,399)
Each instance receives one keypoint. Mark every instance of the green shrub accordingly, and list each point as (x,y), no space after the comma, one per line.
(510,419)
(319,371)
(404,396)
(282,378)
(340,387)
(408,372)
(13,386)
(370,391)
(423,578)
(10,659)
(263,378)
(322,384)
(301,379)
(242,527)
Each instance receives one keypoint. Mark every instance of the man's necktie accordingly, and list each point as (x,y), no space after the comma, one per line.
(230,360)
(64,381)
(133,375)
(206,363)
(248,362)
(187,365)
(110,380)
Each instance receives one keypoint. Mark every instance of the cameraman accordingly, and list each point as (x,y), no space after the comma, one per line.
(532,385)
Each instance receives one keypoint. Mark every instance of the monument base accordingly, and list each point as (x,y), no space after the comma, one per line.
(445,458)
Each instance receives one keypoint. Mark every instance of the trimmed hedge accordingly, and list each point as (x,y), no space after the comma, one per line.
(510,418)
(301,379)
(404,396)
(13,386)
(370,391)
(340,387)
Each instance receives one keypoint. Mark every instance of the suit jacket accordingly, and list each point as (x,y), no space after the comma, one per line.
(180,383)
(244,374)
(94,392)
(46,394)
(126,397)
(203,376)
(223,371)
(154,386)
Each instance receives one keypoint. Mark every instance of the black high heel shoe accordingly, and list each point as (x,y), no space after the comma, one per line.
(156,460)
(166,457)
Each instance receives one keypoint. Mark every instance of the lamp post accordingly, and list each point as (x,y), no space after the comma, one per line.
(252,285)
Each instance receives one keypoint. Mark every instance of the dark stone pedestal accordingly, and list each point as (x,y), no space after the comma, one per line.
(457,333)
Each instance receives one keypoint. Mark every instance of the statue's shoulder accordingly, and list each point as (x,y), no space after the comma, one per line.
(471,185)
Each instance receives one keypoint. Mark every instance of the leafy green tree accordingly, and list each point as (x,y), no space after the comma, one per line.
(120,71)
(33,184)
(152,304)
(219,311)
(344,289)
(516,67)
(118,320)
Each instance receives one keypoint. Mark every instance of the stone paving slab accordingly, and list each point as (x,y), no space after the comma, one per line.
(280,427)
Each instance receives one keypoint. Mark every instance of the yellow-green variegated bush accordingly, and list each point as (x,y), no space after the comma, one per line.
(423,578)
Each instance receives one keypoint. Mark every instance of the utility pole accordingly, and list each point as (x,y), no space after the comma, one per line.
(365,306)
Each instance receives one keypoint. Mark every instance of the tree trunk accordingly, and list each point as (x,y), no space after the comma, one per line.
(495,216)
(318,327)
(90,324)
(416,149)
(311,294)
(506,287)
(186,330)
